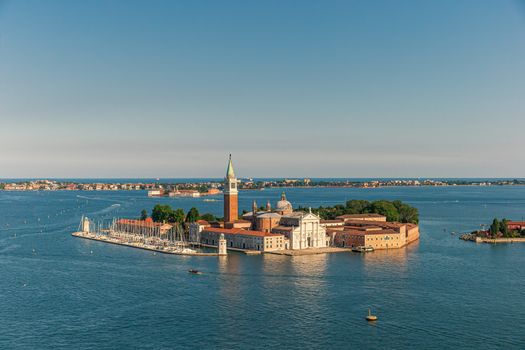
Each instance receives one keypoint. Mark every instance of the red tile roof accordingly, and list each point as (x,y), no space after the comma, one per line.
(147,223)
(384,224)
(366,215)
(365,233)
(519,223)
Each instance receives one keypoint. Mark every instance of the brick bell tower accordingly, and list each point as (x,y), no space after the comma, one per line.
(231,206)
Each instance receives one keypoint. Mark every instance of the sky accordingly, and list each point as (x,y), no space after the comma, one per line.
(289,88)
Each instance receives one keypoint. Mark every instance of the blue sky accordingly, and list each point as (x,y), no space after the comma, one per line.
(290,88)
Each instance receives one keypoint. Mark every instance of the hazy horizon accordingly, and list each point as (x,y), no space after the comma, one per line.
(336,89)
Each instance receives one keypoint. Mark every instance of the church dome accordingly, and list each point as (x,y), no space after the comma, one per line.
(283,204)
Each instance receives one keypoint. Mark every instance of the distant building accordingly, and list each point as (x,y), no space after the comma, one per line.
(516,225)
(185,193)
(156,193)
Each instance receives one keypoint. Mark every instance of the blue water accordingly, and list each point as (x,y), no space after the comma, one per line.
(435,294)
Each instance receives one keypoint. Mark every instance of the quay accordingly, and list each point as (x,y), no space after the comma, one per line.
(310,251)
(244,251)
(473,238)
(160,249)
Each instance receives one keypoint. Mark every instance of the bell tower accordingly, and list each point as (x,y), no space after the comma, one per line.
(231,206)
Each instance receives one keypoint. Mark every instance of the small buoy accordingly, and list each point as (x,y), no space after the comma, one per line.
(371,317)
(34,251)
(91,252)
(25,284)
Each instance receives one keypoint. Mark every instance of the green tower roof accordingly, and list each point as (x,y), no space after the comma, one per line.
(230,174)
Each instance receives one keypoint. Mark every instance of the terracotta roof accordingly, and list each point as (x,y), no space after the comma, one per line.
(239,231)
(331,221)
(147,223)
(383,224)
(366,215)
(283,228)
(202,222)
(269,215)
(365,233)
(363,228)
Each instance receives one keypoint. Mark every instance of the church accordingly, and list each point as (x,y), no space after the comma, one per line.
(271,229)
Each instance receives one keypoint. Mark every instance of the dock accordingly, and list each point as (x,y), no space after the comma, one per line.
(239,250)
(139,245)
(474,238)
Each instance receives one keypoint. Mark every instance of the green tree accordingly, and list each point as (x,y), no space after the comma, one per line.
(177,216)
(202,189)
(356,206)
(406,212)
(494,228)
(208,217)
(503,228)
(385,208)
(193,215)
(143,214)
(161,213)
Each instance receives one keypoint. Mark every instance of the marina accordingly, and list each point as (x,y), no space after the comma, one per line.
(139,245)
(147,235)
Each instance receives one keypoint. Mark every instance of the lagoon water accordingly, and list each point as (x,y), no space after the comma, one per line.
(61,292)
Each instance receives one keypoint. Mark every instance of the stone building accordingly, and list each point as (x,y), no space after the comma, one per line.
(303,230)
(243,239)
(375,234)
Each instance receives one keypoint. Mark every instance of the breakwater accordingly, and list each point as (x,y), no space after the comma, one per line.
(473,238)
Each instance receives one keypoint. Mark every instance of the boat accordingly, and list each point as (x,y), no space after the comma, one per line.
(186,251)
(370,317)
(210,200)
(195,272)
(363,249)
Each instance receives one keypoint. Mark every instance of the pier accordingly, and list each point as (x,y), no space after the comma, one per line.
(155,248)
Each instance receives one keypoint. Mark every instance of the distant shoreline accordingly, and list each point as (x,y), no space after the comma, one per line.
(141,187)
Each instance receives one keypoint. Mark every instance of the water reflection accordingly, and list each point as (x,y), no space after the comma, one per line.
(397,257)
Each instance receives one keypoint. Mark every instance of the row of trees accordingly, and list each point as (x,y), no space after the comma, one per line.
(501,228)
(393,210)
(165,213)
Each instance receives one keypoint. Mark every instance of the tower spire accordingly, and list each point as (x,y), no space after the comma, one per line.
(230,174)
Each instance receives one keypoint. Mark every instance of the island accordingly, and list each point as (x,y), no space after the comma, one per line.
(499,231)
